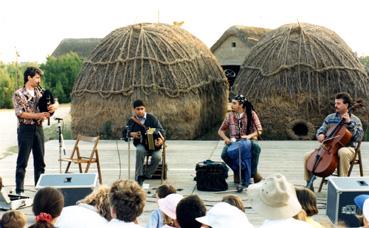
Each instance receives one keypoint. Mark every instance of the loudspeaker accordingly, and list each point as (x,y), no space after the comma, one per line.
(74,186)
(340,198)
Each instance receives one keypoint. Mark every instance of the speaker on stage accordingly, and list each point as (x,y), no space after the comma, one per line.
(74,186)
(340,198)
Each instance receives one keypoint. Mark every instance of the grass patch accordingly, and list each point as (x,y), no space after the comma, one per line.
(9,151)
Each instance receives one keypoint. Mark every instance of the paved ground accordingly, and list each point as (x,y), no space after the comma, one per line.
(285,157)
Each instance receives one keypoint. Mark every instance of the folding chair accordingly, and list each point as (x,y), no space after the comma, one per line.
(356,161)
(161,171)
(77,158)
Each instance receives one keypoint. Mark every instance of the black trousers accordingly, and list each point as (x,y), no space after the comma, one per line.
(30,137)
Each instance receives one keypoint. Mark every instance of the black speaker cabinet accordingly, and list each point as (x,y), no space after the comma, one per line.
(74,186)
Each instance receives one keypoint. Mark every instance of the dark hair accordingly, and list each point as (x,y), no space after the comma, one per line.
(127,199)
(248,110)
(241,99)
(248,107)
(1,183)
(138,103)
(164,190)
(47,200)
(31,71)
(234,201)
(188,209)
(345,97)
(307,200)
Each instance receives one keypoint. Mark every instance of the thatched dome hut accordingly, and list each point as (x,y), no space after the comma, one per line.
(292,75)
(172,71)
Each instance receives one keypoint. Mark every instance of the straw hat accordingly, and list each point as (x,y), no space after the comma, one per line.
(274,198)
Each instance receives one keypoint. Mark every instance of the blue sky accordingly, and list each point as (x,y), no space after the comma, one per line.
(34,28)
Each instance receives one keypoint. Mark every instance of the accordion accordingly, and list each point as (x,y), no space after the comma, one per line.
(151,135)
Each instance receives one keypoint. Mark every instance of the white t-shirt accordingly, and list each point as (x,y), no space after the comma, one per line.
(118,223)
(285,223)
(82,216)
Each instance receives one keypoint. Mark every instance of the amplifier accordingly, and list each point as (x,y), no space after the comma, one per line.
(340,198)
(74,186)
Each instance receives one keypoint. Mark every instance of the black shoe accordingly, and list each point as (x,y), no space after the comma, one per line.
(140,180)
(244,184)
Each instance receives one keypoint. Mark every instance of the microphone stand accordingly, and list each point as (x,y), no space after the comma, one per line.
(128,137)
(239,186)
(61,142)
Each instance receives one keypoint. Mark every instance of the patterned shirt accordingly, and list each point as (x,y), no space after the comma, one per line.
(23,101)
(236,128)
(354,126)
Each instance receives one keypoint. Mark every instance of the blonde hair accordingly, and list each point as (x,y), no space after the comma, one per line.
(13,219)
(99,198)
(234,201)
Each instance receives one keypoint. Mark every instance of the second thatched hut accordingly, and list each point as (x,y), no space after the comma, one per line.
(172,71)
(292,75)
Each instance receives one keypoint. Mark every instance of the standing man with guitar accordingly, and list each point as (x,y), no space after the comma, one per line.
(30,132)
(343,103)
(138,128)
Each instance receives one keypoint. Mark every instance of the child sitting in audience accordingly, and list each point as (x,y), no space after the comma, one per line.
(188,209)
(13,219)
(168,206)
(92,211)
(127,201)
(47,206)
(156,217)
(234,201)
(307,200)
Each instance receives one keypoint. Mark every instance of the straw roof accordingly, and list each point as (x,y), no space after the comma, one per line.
(295,71)
(247,34)
(174,73)
(82,46)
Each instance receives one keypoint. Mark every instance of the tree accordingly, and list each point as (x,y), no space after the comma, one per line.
(6,88)
(60,73)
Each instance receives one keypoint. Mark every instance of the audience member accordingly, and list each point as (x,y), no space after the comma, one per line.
(224,215)
(168,206)
(92,211)
(188,209)
(156,217)
(362,203)
(234,201)
(127,201)
(275,199)
(307,199)
(47,206)
(13,219)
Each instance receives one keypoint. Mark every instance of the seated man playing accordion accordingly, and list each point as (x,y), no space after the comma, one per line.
(148,138)
(242,123)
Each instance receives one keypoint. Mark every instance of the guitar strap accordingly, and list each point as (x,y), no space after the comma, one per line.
(144,126)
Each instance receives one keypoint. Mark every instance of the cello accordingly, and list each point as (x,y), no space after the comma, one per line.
(324,160)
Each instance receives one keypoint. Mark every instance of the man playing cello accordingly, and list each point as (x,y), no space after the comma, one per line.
(343,102)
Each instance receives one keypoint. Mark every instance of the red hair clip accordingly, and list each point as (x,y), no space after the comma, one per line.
(44,217)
